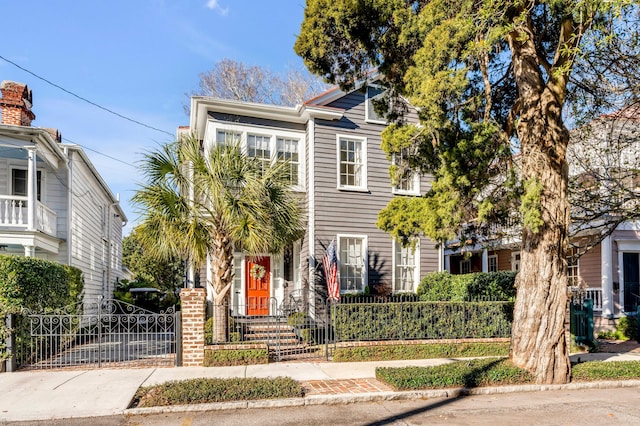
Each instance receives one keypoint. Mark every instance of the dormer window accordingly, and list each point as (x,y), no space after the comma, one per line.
(371,116)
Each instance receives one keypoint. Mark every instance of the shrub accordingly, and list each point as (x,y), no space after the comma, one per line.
(627,328)
(228,357)
(234,336)
(198,391)
(422,320)
(424,351)
(471,373)
(443,286)
(297,319)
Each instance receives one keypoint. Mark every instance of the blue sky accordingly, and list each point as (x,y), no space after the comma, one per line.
(137,58)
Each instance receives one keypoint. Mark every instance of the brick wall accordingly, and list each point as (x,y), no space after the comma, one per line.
(15,104)
(193,301)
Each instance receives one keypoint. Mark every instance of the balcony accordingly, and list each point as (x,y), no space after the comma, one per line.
(14,215)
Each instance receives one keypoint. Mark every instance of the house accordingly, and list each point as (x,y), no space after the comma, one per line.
(604,158)
(53,203)
(341,174)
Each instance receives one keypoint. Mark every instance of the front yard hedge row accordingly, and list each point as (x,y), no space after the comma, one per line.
(421,351)
(422,320)
(229,357)
(482,285)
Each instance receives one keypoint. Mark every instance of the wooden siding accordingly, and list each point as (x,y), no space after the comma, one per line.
(352,212)
(590,267)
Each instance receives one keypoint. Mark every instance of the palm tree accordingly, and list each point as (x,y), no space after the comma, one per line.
(200,203)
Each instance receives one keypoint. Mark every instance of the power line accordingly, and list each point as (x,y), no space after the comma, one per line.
(98,152)
(87,100)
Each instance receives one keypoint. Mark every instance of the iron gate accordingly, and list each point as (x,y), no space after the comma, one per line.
(105,333)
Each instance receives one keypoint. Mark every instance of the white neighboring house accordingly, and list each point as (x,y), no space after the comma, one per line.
(53,203)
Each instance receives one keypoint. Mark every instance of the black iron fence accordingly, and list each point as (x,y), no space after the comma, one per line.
(312,331)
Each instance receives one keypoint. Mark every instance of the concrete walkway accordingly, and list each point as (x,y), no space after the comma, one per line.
(41,395)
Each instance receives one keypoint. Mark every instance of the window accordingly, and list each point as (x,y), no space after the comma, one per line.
(224,137)
(352,171)
(492,263)
(352,253)
(259,147)
(515,261)
(573,272)
(465,266)
(408,183)
(265,144)
(287,150)
(19,182)
(405,268)
(373,93)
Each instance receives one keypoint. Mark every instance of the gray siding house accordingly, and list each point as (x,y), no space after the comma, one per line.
(53,203)
(341,174)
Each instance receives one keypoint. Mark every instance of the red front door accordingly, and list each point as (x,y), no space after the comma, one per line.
(257,275)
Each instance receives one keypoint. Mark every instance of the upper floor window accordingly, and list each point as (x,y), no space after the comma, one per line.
(267,145)
(352,254)
(287,149)
(20,183)
(352,166)
(405,268)
(408,183)
(370,114)
(225,137)
(259,147)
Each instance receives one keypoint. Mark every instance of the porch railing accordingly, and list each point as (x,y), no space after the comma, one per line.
(14,213)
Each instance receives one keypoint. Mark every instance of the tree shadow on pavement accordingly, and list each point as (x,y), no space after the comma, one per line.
(470,381)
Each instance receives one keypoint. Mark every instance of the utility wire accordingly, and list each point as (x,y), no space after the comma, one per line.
(87,100)
(100,153)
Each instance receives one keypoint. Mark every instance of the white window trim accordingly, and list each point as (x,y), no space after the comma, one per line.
(366,106)
(416,272)
(365,258)
(273,133)
(416,183)
(515,261)
(363,187)
(492,256)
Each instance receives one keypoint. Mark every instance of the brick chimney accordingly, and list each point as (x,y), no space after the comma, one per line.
(15,104)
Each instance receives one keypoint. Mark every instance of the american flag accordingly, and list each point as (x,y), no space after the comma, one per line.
(330,265)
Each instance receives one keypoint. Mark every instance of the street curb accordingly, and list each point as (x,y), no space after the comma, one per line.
(347,398)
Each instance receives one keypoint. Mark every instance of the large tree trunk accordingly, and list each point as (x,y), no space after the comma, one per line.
(538,341)
(221,261)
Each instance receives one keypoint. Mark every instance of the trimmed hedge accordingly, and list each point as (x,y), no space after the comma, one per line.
(228,357)
(443,286)
(469,374)
(423,351)
(199,391)
(422,320)
(37,284)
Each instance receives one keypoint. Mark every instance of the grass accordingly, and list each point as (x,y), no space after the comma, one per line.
(198,391)
(495,372)
(431,350)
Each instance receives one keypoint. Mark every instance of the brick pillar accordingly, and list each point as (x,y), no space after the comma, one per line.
(193,302)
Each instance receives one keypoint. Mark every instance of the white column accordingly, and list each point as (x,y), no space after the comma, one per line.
(485,260)
(32,190)
(29,251)
(607,277)
(620,279)
(447,262)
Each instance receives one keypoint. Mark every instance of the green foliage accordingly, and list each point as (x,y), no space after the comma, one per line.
(627,328)
(444,286)
(425,351)
(469,374)
(228,357)
(422,320)
(601,370)
(297,319)
(37,284)
(234,336)
(200,391)
(531,207)
(148,270)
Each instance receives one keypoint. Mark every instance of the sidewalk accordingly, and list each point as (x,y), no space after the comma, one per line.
(41,395)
